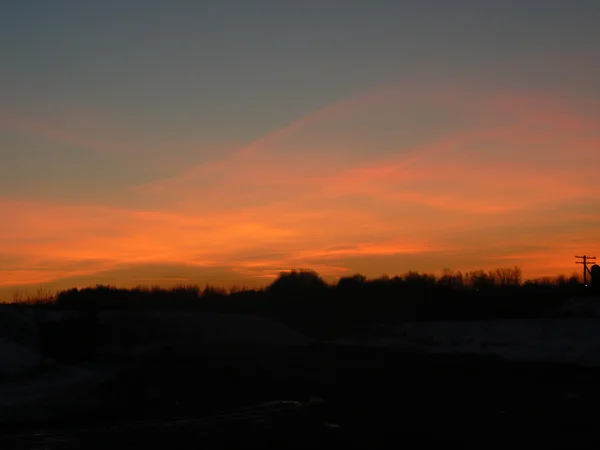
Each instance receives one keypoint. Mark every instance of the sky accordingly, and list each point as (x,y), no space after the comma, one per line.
(180,142)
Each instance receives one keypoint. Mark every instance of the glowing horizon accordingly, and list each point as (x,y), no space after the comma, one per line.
(144,144)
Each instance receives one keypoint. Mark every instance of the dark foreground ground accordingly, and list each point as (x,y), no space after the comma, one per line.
(379,398)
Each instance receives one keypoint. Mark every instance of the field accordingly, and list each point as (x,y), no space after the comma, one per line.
(393,387)
(378,397)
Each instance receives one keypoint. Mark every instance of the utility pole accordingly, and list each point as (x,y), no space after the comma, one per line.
(585,259)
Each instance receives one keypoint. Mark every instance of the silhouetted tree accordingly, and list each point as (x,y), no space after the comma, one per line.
(350,294)
(507,276)
(479,279)
(297,282)
(347,284)
(420,280)
(451,280)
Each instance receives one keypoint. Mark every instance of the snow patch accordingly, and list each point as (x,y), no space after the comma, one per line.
(578,307)
(564,340)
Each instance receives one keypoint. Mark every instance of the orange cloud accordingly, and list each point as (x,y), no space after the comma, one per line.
(492,179)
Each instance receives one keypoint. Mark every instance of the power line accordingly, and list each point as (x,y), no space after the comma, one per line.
(585,259)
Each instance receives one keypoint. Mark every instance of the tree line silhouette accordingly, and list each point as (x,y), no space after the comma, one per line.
(304,298)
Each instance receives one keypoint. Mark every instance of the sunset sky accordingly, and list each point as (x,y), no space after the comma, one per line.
(174,142)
